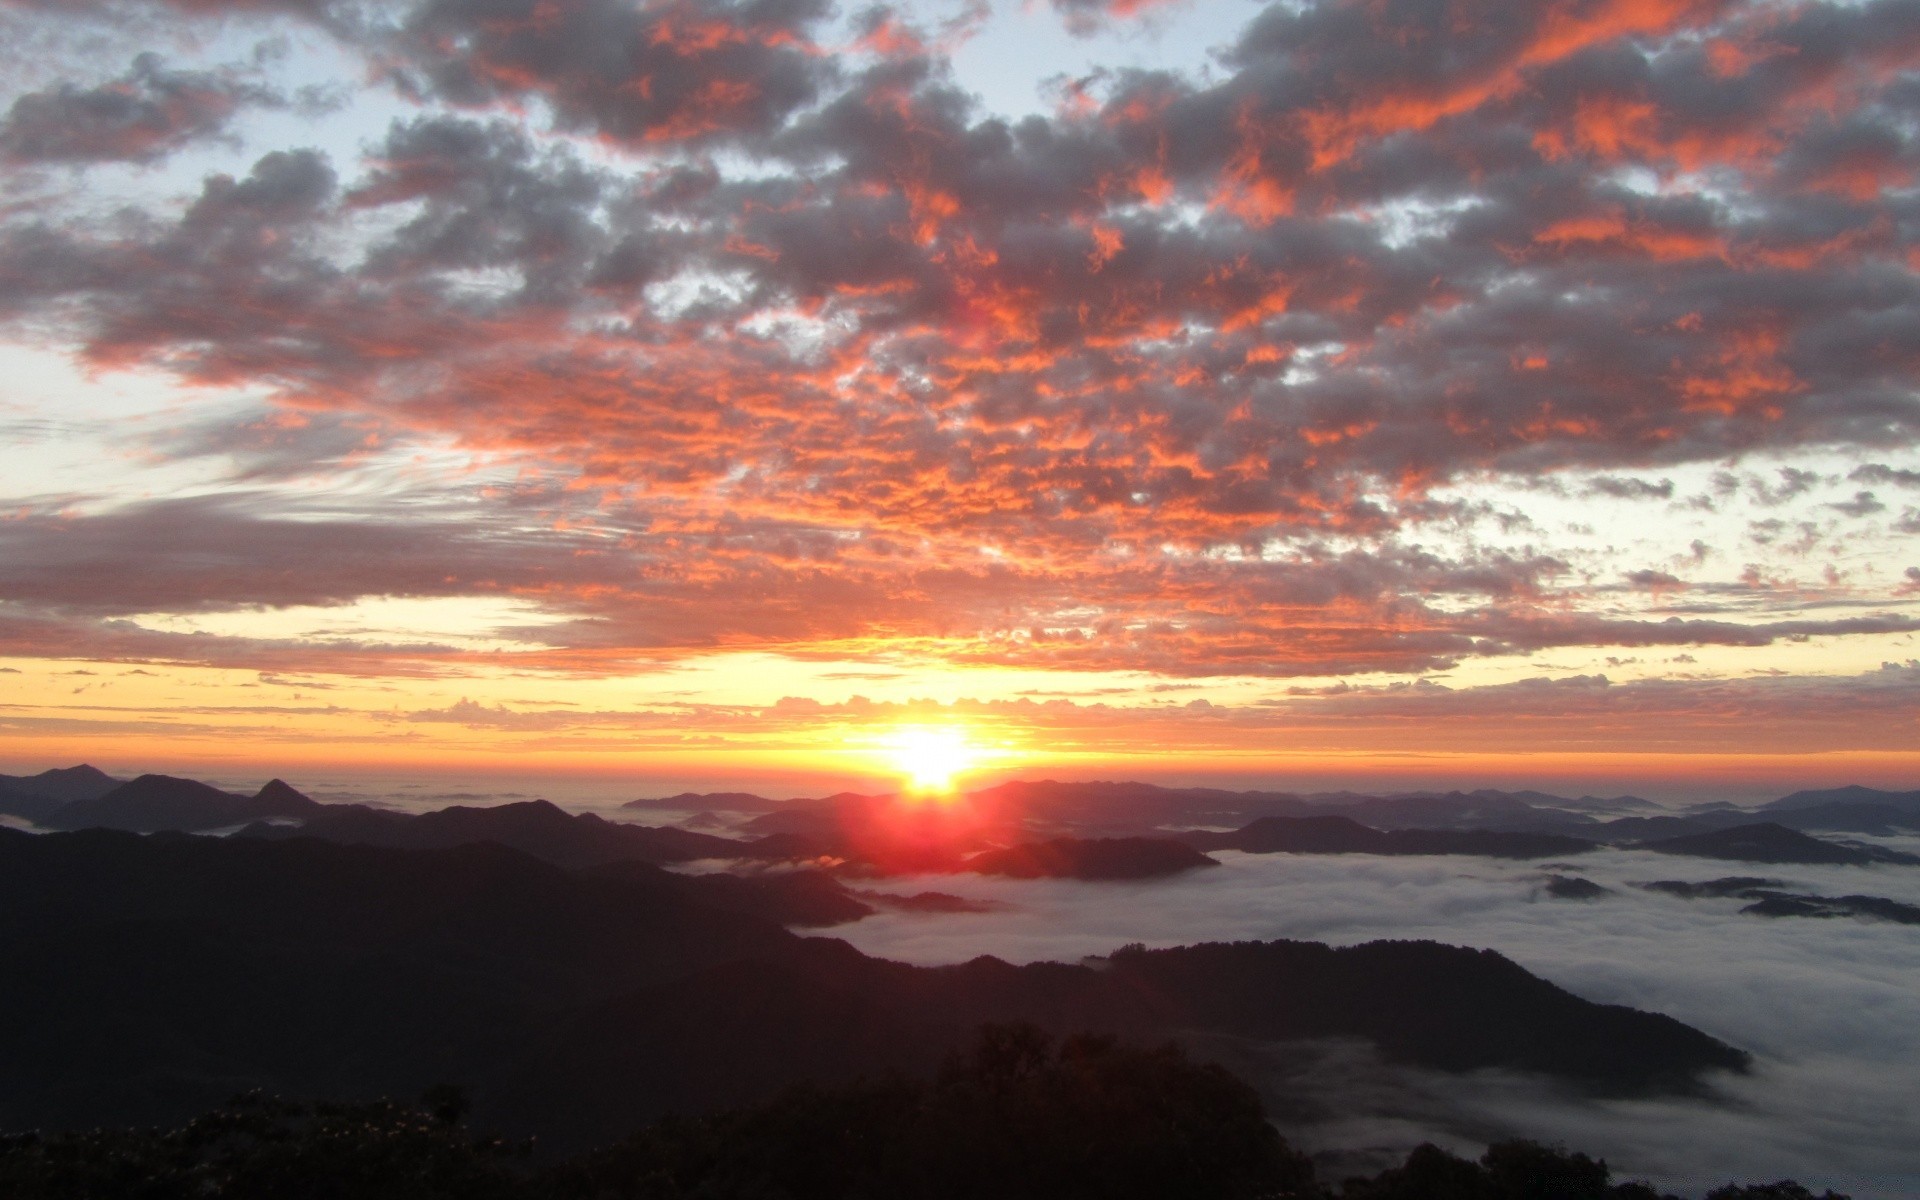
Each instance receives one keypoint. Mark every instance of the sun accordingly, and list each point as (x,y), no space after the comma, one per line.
(929,758)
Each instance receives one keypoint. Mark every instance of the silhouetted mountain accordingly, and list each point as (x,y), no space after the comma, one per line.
(29,806)
(814,820)
(1011,1119)
(37,797)
(884,834)
(149,977)
(64,784)
(1732,885)
(1906,802)
(808,899)
(1097,858)
(280,795)
(1640,829)
(703,802)
(1123,806)
(1878,908)
(1770,901)
(1772,843)
(928,902)
(781,847)
(1014,1119)
(1572,887)
(1848,817)
(535,826)
(152,803)
(1342,835)
(1483,809)
(1051,807)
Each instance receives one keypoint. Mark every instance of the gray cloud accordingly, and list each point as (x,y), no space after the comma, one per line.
(820,324)
(145,114)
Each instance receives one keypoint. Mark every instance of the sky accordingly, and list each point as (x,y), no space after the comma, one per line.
(1517,393)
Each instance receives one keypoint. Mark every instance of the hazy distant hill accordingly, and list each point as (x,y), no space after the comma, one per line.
(64,784)
(162,802)
(535,826)
(1772,843)
(740,802)
(37,797)
(850,824)
(1342,835)
(1906,802)
(1096,858)
(148,977)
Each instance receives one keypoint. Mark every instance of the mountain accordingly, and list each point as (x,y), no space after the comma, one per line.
(1768,842)
(1118,808)
(709,802)
(804,899)
(29,806)
(1342,835)
(536,827)
(1848,816)
(1015,1116)
(64,784)
(1098,858)
(37,797)
(1573,887)
(1641,829)
(152,803)
(1769,900)
(1130,807)
(150,977)
(1907,802)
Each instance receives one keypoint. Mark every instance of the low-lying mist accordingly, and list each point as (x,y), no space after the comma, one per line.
(1830,1008)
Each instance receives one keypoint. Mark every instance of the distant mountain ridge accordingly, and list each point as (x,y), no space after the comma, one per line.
(1128,808)
(150,976)
(1768,842)
(37,797)
(1094,859)
(878,834)
(536,827)
(1343,835)
(153,803)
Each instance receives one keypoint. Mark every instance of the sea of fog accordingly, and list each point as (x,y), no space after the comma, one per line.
(1829,1007)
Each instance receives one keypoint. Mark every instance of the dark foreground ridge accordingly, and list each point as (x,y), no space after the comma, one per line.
(149,977)
(1012,1118)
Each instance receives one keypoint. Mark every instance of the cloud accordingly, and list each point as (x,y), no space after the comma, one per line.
(1880,473)
(1826,1006)
(1084,18)
(143,115)
(794,346)
(685,72)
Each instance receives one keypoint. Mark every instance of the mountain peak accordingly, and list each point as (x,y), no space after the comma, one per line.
(278,798)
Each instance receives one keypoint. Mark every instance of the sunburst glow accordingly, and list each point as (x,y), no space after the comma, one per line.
(930,759)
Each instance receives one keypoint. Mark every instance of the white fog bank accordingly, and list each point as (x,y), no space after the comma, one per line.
(1830,1008)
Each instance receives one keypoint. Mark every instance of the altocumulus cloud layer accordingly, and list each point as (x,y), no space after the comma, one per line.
(1406,336)
(1827,1006)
